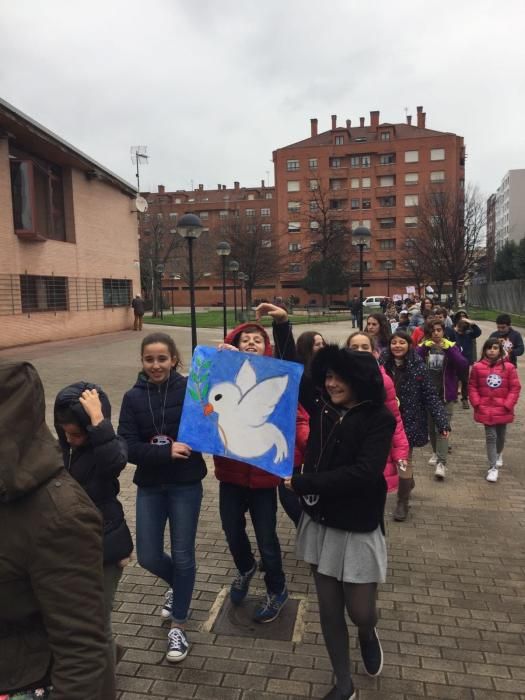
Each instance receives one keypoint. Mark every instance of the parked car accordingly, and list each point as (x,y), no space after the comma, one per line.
(372,301)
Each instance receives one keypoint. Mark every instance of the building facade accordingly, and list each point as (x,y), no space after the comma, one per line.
(69,261)
(510,209)
(491,234)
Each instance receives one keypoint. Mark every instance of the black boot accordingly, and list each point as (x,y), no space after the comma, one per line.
(403,496)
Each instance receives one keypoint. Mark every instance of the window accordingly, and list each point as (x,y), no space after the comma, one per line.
(410,243)
(250,212)
(387,181)
(292,165)
(173,215)
(411,156)
(250,196)
(294,226)
(203,215)
(411,200)
(360,139)
(293,186)
(223,214)
(355,204)
(367,203)
(266,243)
(314,225)
(387,244)
(337,203)
(335,162)
(43,293)
(355,183)
(268,195)
(355,162)
(116,292)
(294,247)
(266,228)
(387,201)
(410,221)
(385,135)
(312,163)
(387,222)
(387,159)
(366,182)
(265,211)
(411,178)
(437,176)
(314,184)
(314,205)
(339,140)
(391,264)
(160,216)
(364,222)
(365,162)
(295,267)
(38,200)
(178,200)
(294,206)
(336,184)
(437,154)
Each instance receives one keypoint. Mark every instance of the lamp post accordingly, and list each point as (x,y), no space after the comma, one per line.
(242,279)
(389,265)
(233,267)
(361,237)
(190,228)
(223,250)
(159,269)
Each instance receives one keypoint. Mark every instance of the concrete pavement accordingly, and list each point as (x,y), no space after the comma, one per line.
(452,611)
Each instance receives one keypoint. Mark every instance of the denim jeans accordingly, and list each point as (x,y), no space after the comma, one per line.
(179,505)
(234,501)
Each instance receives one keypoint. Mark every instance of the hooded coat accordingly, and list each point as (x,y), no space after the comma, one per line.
(494,390)
(51,584)
(97,465)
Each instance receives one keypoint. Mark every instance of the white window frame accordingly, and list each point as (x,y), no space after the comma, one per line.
(411,156)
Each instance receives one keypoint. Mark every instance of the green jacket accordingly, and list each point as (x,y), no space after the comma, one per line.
(51,595)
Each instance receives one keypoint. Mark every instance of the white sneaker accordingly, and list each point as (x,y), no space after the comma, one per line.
(433,460)
(168,604)
(492,475)
(499,461)
(441,471)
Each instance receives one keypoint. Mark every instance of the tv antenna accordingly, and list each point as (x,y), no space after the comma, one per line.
(139,154)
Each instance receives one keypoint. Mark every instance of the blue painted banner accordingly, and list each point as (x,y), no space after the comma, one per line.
(243,406)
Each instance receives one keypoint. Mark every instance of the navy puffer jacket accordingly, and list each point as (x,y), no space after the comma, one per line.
(148,410)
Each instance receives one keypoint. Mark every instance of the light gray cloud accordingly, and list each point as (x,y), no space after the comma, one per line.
(212,88)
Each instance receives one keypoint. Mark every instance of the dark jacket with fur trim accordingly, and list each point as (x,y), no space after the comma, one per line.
(342,484)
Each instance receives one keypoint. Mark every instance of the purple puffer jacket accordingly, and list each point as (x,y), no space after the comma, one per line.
(455,362)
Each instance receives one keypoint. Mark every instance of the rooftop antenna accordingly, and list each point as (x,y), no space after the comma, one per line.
(406,113)
(139,154)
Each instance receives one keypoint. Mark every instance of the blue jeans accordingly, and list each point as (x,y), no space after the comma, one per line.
(234,501)
(178,504)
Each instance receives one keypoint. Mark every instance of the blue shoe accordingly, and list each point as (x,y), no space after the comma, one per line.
(177,645)
(269,609)
(241,584)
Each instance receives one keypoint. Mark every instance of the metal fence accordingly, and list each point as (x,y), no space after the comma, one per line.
(508,296)
(27,294)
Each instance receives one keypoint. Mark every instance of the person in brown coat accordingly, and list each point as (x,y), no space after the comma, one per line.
(51,596)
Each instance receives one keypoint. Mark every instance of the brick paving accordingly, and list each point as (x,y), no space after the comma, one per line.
(452,611)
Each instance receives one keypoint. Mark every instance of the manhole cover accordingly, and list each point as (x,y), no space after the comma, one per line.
(236,621)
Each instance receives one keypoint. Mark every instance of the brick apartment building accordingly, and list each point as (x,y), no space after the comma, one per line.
(68,238)
(368,174)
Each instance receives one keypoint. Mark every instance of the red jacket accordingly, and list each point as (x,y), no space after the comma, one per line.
(494,390)
(240,473)
(399,448)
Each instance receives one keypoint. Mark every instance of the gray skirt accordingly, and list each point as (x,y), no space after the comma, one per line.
(351,557)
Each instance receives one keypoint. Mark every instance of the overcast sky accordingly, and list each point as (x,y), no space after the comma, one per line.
(213,86)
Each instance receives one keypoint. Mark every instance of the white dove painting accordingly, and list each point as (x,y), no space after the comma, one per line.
(242,406)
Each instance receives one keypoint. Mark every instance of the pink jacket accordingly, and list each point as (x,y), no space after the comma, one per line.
(493,391)
(400,447)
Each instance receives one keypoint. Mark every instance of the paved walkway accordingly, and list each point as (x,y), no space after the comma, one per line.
(452,611)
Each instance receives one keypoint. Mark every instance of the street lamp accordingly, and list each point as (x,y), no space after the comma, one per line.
(389,265)
(190,228)
(223,249)
(159,269)
(233,267)
(242,279)
(361,238)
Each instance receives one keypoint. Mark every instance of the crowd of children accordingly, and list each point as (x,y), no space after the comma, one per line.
(362,409)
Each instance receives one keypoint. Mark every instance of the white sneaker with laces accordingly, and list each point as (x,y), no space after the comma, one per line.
(433,460)
(499,461)
(168,604)
(177,645)
(441,471)
(492,475)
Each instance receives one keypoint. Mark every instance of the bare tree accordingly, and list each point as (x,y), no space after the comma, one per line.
(253,246)
(450,223)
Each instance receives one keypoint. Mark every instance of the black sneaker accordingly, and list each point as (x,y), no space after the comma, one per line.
(241,584)
(372,654)
(177,645)
(270,608)
(167,608)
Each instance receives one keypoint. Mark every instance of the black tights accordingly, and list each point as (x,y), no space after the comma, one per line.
(334,596)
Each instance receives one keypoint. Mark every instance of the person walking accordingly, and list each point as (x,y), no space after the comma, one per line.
(355,310)
(138,312)
(341,533)
(417,395)
(464,335)
(509,337)
(169,479)
(494,390)
(378,326)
